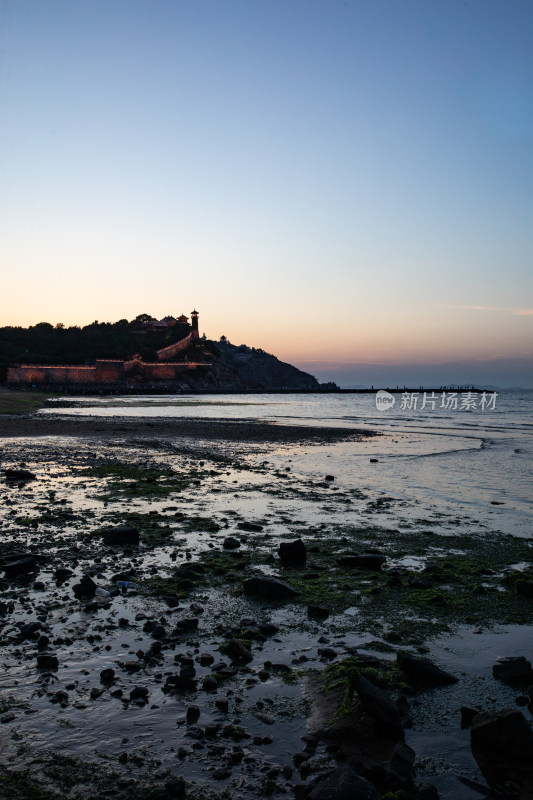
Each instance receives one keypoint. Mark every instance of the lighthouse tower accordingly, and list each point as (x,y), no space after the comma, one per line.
(194,324)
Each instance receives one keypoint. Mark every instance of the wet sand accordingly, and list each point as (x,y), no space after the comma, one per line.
(245,430)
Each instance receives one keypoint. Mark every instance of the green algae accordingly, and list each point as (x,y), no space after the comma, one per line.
(342,677)
(463,586)
(520,583)
(20,786)
(51,516)
(192,524)
(182,580)
(22,402)
(132,480)
(70,777)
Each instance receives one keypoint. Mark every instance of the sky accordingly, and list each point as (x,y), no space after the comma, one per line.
(346,184)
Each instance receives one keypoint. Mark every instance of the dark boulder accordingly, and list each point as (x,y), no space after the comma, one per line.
(422,672)
(269,587)
(22,566)
(318,612)
(400,767)
(139,693)
(371,561)
(426,791)
(504,733)
(85,588)
(175,787)
(342,783)
(253,527)
(30,630)
(292,554)
(19,475)
(513,669)
(237,651)
(502,744)
(193,714)
(467,716)
(384,711)
(231,543)
(172,600)
(121,535)
(180,683)
(268,629)
(187,624)
(62,574)
(47,661)
(158,632)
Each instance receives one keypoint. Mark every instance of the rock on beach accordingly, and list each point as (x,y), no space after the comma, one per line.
(422,672)
(269,587)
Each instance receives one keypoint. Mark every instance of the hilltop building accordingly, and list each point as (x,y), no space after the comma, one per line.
(171,361)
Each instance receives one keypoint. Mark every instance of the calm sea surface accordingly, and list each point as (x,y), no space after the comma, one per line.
(478,461)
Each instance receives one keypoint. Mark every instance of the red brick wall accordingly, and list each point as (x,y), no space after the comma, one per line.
(42,374)
(109,371)
(165,372)
(173,349)
(103,372)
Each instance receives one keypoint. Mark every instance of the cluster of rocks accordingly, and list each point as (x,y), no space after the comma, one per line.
(502,742)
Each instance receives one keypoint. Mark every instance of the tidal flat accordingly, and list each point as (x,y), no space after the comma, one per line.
(192,680)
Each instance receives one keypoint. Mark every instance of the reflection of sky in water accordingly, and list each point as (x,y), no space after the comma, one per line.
(509,406)
(466,459)
(446,472)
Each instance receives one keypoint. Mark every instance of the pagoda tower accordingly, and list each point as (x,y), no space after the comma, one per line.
(194,324)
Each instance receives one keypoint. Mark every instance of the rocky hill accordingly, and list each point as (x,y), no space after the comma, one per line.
(242,367)
(232,368)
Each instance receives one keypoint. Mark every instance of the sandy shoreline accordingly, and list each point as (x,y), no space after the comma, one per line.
(245,430)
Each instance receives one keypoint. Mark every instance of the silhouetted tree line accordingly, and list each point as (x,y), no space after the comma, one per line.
(48,344)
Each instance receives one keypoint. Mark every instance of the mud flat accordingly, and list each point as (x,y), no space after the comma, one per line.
(241,431)
(279,634)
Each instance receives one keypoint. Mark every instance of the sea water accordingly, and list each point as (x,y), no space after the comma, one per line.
(464,460)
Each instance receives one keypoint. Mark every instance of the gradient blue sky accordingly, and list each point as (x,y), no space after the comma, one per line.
(346,184)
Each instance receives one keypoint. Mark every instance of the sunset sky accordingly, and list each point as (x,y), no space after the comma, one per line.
(348,185)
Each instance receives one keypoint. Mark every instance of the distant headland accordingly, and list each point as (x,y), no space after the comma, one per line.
(144,354)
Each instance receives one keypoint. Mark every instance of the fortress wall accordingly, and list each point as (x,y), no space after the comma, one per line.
(105,372)
(33,373)
(160,372)
(108,371)
(173,349)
